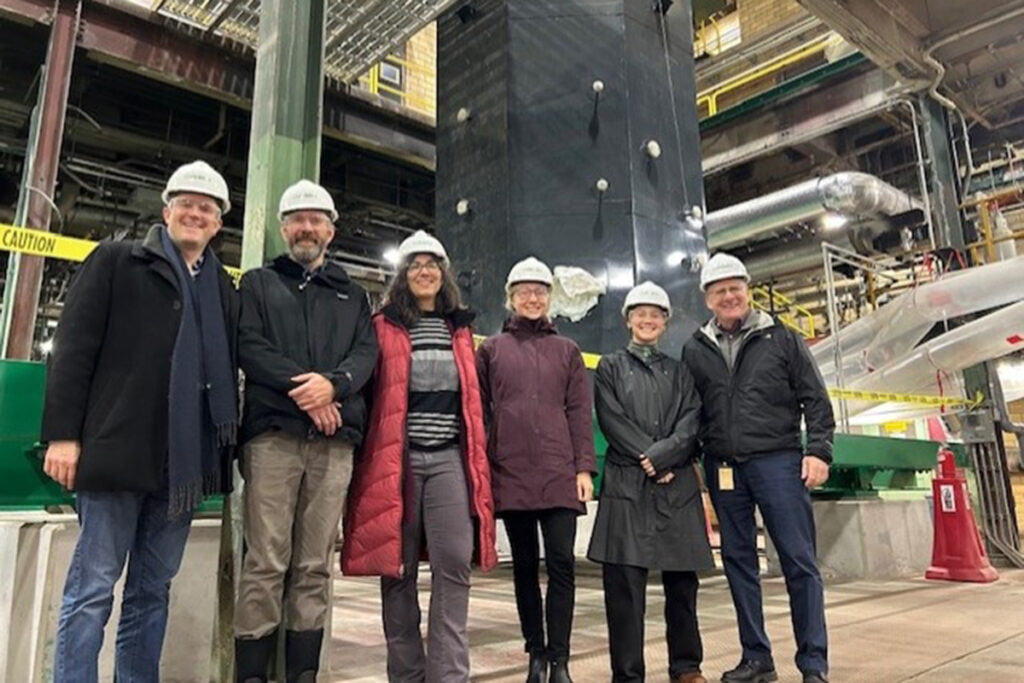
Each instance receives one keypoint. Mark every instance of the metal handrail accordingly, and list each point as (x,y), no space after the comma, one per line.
(774,65)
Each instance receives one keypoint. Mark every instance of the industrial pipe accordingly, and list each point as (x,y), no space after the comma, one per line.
(850,194)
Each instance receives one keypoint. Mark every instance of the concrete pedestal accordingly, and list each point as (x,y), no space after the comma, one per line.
(869,539)
(38,550)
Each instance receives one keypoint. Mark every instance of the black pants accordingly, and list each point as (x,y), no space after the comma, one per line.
(558,527)
(625,601)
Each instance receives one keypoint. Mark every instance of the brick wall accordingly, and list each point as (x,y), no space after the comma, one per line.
(760,17)
(421,77)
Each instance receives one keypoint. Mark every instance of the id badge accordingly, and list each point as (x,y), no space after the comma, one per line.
(725,482)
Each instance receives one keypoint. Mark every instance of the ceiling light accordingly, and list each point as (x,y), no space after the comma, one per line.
(833,221)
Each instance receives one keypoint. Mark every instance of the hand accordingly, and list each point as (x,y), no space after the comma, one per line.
(814,471)
(314,391)
(61,462)
(584,487)
(326,418)
(666,478)
(648,466)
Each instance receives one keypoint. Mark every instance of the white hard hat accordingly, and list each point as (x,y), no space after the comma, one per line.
(530,269)
(722,267)
(306,195)
(201,178)
(647,294)
(421,242)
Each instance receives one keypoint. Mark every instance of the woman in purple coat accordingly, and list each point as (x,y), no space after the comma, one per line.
(537,406)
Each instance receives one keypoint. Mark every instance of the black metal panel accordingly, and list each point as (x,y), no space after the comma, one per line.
(540,138)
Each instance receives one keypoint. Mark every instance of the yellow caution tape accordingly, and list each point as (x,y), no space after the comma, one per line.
(41,243)
(50,245)
(916,399)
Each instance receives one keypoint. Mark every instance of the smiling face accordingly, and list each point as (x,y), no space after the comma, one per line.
(646,323)
(307,234)
(729,300)
(192,220)
(424,274)
(530,300)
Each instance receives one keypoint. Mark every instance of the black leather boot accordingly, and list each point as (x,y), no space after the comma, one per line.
(252,656)
(302,655)
(560,671)
(538,672)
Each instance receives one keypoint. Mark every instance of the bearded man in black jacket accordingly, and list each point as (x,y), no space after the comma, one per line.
(307,347)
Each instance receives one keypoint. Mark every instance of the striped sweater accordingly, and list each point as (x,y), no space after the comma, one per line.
(434,401)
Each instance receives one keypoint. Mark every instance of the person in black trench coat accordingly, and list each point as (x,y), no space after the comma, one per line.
(651,514)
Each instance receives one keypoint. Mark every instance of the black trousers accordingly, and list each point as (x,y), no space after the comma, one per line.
(558,527)
(625,601)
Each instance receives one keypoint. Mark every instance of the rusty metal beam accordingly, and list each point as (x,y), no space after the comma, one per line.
(132,43)
(36,205)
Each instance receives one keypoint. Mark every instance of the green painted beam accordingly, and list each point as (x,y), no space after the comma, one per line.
(790,87)
(287,115)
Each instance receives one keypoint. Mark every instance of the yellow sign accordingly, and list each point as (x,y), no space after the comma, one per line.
(895,427)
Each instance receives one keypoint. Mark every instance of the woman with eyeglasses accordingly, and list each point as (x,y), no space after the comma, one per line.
(537,403)
(422,479)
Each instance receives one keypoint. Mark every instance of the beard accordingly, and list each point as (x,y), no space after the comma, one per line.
(306,252)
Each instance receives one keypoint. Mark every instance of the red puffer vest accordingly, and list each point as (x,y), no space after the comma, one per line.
(373,521)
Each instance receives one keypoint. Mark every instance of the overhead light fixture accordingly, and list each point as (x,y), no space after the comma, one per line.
(391,256)
(833,221)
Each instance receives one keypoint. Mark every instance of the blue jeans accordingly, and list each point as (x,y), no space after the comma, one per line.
(113,526)
(772,482)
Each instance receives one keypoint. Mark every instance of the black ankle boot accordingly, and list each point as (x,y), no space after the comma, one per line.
(538,672)
(560,671)
(252,656)
(302,655)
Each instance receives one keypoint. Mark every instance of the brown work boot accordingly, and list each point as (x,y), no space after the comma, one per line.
(690,677)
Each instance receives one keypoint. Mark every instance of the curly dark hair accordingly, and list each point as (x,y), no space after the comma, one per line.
(447,301)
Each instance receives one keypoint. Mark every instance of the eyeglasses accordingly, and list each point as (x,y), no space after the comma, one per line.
(531,293)
(203,206)
(429,266)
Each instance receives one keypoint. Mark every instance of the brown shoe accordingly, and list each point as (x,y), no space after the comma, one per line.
(691,677)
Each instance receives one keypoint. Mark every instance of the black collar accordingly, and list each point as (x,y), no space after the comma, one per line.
(330,274)
(459,318)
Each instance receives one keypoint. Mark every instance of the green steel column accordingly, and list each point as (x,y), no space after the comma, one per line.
(39,180)
(949,228)
(284,147)
(286,117)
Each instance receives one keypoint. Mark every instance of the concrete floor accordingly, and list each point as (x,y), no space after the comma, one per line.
(902,630)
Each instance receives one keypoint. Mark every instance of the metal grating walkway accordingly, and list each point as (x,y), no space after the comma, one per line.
(359,33)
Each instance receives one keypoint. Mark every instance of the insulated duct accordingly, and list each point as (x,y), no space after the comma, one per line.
(851,194)
(920,370)
(893,330)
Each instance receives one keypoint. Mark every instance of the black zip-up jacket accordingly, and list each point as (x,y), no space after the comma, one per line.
(292,323)
(755,409)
